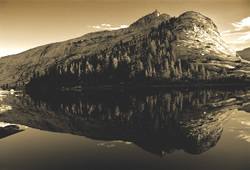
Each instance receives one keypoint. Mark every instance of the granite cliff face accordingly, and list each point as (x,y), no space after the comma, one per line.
(191,37)
(198,37)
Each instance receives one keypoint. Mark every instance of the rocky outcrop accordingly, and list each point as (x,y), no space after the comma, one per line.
(198,37)
(149,19)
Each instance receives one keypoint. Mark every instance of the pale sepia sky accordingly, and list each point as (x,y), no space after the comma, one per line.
(26,24)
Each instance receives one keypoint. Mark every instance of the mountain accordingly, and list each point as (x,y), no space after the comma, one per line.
(156,48)
(245,53)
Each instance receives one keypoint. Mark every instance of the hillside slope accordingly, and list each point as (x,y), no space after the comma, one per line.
(245,53)
(156,47)
(21,67)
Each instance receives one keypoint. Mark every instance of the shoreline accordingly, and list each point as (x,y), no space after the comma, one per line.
(143,87)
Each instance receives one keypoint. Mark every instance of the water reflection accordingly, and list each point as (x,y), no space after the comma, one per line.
(159,121)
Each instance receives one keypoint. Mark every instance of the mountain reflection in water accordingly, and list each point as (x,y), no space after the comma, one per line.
(159,121)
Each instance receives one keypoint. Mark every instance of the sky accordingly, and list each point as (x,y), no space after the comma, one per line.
(26,24)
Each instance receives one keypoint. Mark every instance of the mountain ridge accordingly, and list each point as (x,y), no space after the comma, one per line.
(62,52)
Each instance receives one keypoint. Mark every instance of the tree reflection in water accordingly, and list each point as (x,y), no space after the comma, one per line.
(159,121)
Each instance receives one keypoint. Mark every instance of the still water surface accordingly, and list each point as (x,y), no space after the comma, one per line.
(128,129)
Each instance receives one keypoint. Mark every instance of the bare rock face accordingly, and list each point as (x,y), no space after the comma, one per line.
(197,38)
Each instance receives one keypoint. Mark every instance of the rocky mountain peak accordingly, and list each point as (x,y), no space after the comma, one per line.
(191,19)
(197,36)
(147,19)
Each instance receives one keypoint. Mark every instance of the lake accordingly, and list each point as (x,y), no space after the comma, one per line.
(154,128)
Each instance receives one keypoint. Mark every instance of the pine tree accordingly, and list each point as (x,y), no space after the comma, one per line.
(79,70)
(150,57)
(115,63)
(126,58)
(146,73)
(173,56)
(167,70)
(106,61)
(203,72)
(59,70)
(189,74)
(169,36)
(192,67)
(166,43)
(65,68)
(173,71)
(180,68)
(168,57)
(177,74)
(72,68)
(154,74)
(88,68)
(153,47)
(196,68)
(149,65)
(98,68)
(224,72)
(139,66)
(208,75)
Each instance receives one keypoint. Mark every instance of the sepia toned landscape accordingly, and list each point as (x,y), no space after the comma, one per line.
(124,85)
